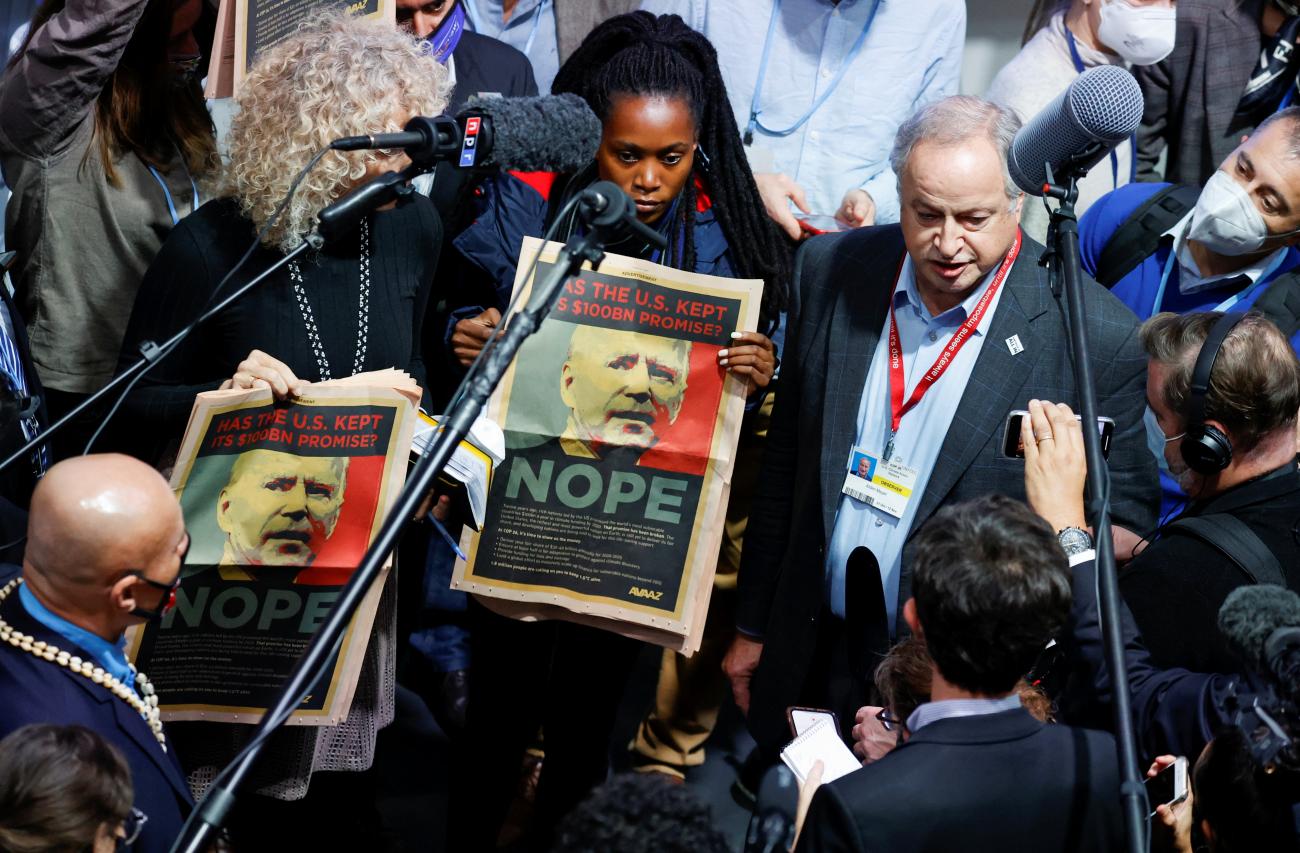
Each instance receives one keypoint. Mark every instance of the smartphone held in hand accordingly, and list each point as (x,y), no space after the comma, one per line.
(1169,786)
(1013,447)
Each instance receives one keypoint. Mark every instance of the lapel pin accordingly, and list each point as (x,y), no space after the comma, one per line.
(1014,345)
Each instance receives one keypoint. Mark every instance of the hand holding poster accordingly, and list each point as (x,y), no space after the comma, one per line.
(281,501)
(621,429)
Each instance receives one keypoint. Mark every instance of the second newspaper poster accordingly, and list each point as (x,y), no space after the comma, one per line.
(621,430)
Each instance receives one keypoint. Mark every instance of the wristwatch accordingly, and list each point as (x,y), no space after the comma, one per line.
(1074,540)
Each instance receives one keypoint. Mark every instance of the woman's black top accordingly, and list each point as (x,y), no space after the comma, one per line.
(404,246)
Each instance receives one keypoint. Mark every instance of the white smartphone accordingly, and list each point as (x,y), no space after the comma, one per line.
(1169,786)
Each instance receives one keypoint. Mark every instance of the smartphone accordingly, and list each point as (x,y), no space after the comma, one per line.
(820,223)
(803,719)
(1014,448)
(1169,786)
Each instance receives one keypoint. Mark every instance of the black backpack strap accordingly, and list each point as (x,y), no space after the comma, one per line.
(1281,302)
(1235,540)
(1138,236)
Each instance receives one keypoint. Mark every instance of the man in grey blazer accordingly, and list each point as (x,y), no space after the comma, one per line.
(977,335)
(1192,94)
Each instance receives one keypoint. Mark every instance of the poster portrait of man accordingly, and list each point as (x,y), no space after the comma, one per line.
(622,388)
(278,509)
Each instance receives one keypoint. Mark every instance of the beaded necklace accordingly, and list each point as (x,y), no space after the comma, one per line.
(363,310)
(146,707)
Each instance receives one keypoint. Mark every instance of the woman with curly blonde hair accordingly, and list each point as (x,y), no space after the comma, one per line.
(355,305)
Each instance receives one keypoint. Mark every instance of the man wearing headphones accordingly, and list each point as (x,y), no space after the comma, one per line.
(1225,389)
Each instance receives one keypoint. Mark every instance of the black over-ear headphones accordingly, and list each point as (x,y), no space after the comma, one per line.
(1205,448)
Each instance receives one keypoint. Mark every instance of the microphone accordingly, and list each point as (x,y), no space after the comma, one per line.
(605,207)
(866,619)
(338,218)
(1261,623)
(550,133)
(1096,112)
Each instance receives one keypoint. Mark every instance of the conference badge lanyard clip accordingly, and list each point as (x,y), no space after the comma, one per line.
(884,482)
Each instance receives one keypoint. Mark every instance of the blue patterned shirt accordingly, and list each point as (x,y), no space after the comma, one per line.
(911,57)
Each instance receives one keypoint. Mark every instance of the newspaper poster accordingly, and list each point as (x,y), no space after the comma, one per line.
(281,500)
(245,28)
(621,430)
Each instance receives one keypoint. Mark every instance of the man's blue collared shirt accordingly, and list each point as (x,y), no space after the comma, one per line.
(933,712)
(911,57)
(109,656)
(920,434)
(530,30)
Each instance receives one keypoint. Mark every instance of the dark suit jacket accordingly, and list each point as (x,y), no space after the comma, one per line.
(1192,94)
(995,783)
(1176,586)
(1175,711)
(844,283)
(37,691)
(483,65)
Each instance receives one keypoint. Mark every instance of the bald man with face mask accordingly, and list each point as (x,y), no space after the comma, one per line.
(105,544)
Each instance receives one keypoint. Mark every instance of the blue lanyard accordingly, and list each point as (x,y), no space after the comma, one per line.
(1132,140)
(538,12)
(167,194)
(754,109)
(1225,305)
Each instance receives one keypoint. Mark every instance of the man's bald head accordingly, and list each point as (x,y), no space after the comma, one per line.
(93,516)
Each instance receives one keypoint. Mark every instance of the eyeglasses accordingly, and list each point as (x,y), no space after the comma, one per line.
(131,828)
(892,723)
(888,720)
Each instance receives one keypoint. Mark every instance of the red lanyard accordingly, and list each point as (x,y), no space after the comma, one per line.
(897,381)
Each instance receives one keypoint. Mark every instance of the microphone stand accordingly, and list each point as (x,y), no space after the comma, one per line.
(210,814)
(1062,262)
(333,221)
(150,352)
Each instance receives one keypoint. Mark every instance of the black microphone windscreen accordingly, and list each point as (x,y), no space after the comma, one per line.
(1103,105)
(550,133)
(866,618)
(1251,613)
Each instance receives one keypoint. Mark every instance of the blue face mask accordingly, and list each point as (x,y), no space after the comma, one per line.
(442,41)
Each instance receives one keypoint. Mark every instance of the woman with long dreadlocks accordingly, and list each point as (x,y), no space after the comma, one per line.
(670,141)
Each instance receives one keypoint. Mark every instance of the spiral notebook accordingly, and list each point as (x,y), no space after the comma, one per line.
(822,742)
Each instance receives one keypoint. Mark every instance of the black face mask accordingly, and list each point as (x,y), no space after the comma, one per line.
(164,604)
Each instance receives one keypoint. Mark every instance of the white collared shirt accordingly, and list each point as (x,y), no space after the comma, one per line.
(1190,279)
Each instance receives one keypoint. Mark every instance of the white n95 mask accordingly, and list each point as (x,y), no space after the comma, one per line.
(1225,219)
(1142,35)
